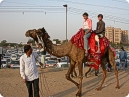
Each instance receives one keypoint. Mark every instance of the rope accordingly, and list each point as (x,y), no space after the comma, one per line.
(45,84)
(41,87)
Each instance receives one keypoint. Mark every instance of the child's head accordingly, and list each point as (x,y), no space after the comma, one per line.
(100,17)
(85,15)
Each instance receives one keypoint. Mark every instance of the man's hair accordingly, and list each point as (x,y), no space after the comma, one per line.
(100,15)
(85,14)
(122,48)
(26,48)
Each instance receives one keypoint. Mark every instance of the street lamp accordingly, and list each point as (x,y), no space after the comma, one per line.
(66,6)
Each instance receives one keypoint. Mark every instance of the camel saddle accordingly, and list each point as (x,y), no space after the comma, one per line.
(93,57)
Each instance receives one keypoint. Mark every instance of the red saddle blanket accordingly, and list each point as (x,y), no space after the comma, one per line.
(78,40)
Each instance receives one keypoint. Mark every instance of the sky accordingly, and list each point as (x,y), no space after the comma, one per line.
(16,20)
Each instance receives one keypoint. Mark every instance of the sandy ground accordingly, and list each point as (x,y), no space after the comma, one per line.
(11,84)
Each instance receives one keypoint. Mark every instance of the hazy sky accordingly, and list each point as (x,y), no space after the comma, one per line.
(13,25)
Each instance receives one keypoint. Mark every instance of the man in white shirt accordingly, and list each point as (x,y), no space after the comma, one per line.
(29,71)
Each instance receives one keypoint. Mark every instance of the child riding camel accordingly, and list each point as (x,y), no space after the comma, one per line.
(87,27)
(100,30)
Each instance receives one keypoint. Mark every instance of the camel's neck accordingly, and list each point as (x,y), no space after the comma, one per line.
(57,50)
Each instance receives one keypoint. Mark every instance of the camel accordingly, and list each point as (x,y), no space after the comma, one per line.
(75,54)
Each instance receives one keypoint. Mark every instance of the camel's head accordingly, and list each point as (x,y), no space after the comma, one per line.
(32,34)
(39,35)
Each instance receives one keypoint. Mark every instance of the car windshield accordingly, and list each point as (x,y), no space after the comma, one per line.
(47,55)
(13,56)
(15,62)
(9,51)
(64,61)
(3,62)
(6,57)
(50,62)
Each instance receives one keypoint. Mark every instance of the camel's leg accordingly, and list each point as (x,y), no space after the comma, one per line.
(88,71)
(70,71)
(103,63)
(113,63)
(80,68)
(74,74)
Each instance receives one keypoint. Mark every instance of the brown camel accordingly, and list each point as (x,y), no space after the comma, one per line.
(75,54)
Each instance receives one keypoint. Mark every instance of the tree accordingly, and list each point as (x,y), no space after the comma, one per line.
(64,41)
(57,41)
(3,43)
(20,44)
(32,41)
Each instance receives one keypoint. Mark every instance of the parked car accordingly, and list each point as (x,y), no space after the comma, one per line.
(53,58)
(4,63)
(15,64)
(6,57)
(8,62)
(47,57)
(14,57)
(9,51)
(62,64)
(50,63)
(19,52)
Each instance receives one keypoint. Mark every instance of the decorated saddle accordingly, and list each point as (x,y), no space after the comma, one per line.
(93,57)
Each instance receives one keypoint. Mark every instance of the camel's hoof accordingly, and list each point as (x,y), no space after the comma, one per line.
(117,87)
(98,89)
(78,95)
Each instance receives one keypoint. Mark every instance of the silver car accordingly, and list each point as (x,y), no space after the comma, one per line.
(15,64)
(4,64)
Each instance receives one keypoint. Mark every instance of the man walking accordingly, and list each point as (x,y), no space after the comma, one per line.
(28,70)
(123,58)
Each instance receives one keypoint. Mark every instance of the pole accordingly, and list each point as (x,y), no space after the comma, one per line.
(66,28)
(66,22)
(66,25)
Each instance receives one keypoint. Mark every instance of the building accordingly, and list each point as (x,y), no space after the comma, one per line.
(124,36)
(109,33)
(116,35)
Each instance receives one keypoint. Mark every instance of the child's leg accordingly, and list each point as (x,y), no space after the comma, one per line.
(97,39)
(86,45)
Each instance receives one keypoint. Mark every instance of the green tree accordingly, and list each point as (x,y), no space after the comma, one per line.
(20,45)
(57,41)
(32,41)
(64,41)
(3,43)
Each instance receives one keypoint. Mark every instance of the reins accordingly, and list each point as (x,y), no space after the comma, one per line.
(45,84)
